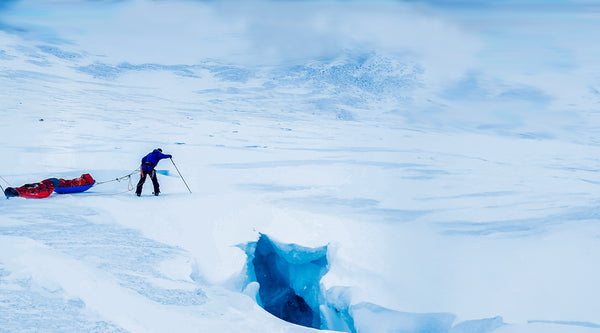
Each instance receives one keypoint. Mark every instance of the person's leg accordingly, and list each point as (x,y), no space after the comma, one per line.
(155,182)
(140,184)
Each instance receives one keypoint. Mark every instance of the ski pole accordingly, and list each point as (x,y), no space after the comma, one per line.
(186,185)
(2,188)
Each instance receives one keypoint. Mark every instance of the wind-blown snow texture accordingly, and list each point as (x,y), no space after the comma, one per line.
(418,166)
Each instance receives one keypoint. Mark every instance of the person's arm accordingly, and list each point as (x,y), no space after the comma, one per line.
(162,156)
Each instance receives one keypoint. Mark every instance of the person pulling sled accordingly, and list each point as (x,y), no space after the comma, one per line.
(147,169)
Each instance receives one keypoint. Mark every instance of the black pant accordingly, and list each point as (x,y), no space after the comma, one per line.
(140,184)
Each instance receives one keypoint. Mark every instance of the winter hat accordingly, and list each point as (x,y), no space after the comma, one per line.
(160,150)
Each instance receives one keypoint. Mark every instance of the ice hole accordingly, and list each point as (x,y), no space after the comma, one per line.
(289,278)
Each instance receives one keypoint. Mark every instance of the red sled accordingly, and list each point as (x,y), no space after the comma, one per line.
(39,190)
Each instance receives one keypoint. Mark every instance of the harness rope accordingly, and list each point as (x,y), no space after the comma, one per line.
(119,178)
(5,181)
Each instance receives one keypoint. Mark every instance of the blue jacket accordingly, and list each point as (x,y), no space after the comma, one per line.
(149,161)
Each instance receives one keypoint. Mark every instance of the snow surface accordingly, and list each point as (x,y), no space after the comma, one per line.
(442,153)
